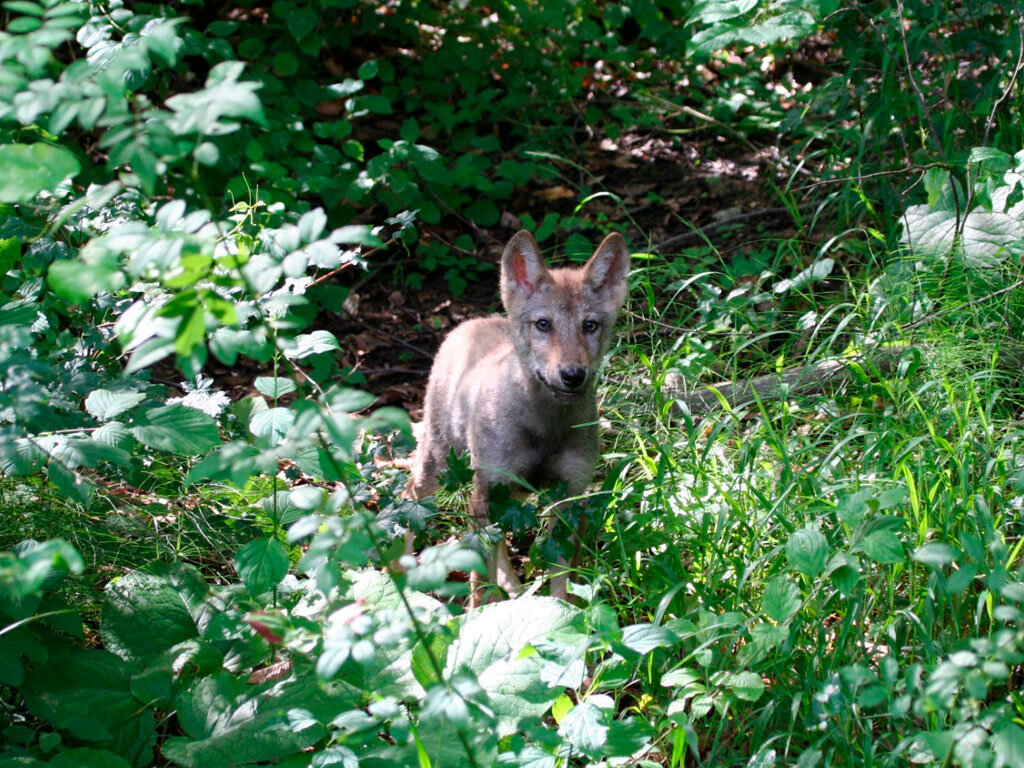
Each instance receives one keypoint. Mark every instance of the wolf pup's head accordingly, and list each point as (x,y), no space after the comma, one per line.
(562,318)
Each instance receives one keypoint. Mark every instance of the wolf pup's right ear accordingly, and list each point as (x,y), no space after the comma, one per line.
(523,271)
(605,272)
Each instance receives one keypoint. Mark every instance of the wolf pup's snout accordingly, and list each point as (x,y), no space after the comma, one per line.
(574,377)
(517,391)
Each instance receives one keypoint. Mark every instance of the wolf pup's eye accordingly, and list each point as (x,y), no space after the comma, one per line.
(543,325)
(589,326)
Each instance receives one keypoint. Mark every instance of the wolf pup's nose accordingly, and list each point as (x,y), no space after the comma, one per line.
(573,378)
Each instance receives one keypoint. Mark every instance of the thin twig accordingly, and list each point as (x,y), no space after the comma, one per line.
(925,116)
(972,303)
(1006,93)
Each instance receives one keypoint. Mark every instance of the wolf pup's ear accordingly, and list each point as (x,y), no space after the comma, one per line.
(523,272)
(605,272)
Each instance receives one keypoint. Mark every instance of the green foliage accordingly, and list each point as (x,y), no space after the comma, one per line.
(832,581)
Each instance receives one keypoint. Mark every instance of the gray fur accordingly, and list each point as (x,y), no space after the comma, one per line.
(522,399)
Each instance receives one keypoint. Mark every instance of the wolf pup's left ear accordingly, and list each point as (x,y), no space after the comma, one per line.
(605,272)
(523,271)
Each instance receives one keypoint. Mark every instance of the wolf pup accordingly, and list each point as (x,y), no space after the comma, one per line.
(519,392)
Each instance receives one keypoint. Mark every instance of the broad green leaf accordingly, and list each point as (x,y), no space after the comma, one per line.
(144,614)
(229,722)
(103,404)
(935,554)
(261,564)
(781,599)
(807,551)
(490,643)
(302,20)
(236,461)
(177,429)
(883,547)
(584,728)
(1008,744)
(746,685)
(28,169)
(78,280)
(166,672)
(819,270)
(313,344)
(86,692)
(274,386)
(273,423)
(983,236)
(644,638)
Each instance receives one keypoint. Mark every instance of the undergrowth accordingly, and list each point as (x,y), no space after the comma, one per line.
(806,532)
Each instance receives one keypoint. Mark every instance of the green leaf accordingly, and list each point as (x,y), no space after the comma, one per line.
(807,551)
(1008,744)
(883,547)
(191,331)
(315,343)
(746,685)
(302,20)
(273,423)
(368,69)
(78,280)
(87,692)
(84,757)
(261,564)
(644,638)
(274,386)
(104,405)
(28,169)
(10,253)
(781,599)
(229,722)
(490,643)
(935,554)
(177,429)
(144,614)
(584,728)
(235,461)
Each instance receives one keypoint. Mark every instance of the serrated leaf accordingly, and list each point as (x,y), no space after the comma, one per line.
(807,551)
(28,169)
(261,564)
(177,429)
(103,404)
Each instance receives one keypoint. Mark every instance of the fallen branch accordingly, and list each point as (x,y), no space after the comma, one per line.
(814,379)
